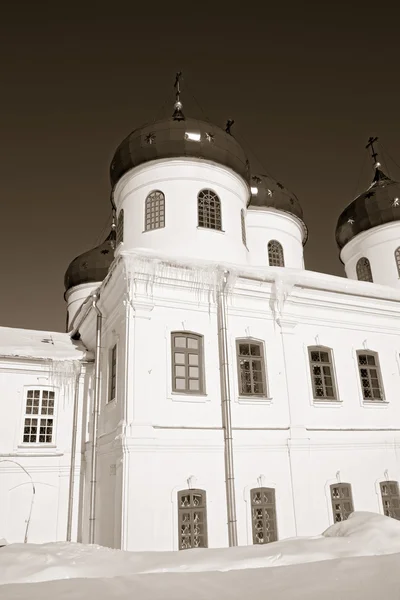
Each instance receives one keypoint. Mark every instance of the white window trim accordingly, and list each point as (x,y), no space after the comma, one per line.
(199,485)
(53,444)
(315,402)
(257,400)
(383,403)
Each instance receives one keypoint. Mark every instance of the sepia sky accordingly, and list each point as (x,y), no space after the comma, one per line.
(306,82)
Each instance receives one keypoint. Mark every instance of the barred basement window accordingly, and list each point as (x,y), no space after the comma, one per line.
(243,222)
(187,363)
(275,254)
(209,210)
(370,375)
(39,417)
(390,499)
(263,514)
(192,519)
(322,376)
(251,368)
(154,211)
(397,259)
(342,501)
(120,227)
(363,269)
(113,372)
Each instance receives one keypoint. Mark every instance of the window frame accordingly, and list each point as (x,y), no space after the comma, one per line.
(261,358)
(391,496)
(202,508)
(186,351)
(377,367)
(243,226)
(212,211)
(329,364)
(397,260)
(39,415)
(280,251)
(157,206)
(341,501)
(364,268)
(119,231)
(112,373)
(272,505)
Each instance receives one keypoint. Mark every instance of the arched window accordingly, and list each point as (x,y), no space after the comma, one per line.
(263,515)
(363,269)
(275,254)
(342,501)
(243,222)
(390,499)
(397,259)
(209,210)
(322,376)
(187,363)
(192,519)
(251,368)
(154,211)
(370,375)
(120,227)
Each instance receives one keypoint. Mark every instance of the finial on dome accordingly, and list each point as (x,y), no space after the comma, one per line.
(374,154)
(178,114)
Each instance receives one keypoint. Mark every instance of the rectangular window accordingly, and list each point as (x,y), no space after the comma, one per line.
(342,501)
(192,519)
(251,368)
(322,377)
(39,417)
(113,373)
(187,363)
(370,376)
(390,499)
(263,513)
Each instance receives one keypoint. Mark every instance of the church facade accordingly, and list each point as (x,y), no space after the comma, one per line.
(209,390)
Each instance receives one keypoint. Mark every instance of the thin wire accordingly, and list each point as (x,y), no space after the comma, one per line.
(250,150)
(195,99)
(391,158)
(360,176)
(102,233)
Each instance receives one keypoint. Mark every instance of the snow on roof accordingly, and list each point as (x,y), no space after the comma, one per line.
(39,345)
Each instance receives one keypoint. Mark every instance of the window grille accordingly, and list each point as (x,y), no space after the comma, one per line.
(397,259)
(275,254)
(370,376)
(322,375)
(209,210)
(113,372)
(251,368)
(154,211)
(120,227)
(390,499)
(192,519)
(39,417)
(243,222)
(363,269)
(342,501)
(187,363)
(263,514)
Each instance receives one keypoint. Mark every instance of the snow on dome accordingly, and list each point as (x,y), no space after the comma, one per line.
(29,343)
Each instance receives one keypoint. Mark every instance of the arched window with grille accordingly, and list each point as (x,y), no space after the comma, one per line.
(120,227)
(275,254)
(243,223)
(363,269)
(209,210)
(192,519)
(397,259)
(342,501)
(154,211)
(263,515)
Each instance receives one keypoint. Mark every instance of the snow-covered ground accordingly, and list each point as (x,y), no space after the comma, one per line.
(358,559)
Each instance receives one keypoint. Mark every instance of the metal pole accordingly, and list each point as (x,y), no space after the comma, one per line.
(226,413)
(73,455)
(96,402)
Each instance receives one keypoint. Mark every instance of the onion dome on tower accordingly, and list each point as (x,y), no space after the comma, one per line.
(91,266)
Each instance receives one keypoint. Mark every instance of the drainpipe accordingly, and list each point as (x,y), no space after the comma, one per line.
(226,412)
(96,404)
(73,455)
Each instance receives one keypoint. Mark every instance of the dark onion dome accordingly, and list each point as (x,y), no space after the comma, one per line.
(91,266)
(172,138)
(378,205)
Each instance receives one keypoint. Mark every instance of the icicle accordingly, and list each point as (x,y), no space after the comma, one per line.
(62,375)
(281,289)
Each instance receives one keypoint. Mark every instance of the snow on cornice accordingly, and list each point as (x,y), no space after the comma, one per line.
(39,345)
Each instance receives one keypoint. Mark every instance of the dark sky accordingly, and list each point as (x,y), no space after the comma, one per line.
(307,84)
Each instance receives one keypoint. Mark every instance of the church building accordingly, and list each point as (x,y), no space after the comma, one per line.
(209,390)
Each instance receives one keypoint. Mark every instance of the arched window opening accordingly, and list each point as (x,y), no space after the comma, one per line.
(243,222)
(251,368)
(342,501)
(120,227)
(209,210)
(397,259)
(390,499)
(363,269)
(154,211)
(370,375)
(192,519)
(187,363)
(275,254)
(263,515)
(322,375)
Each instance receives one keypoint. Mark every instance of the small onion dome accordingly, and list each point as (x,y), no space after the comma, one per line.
(380,204)
(91,266)
(170,138)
